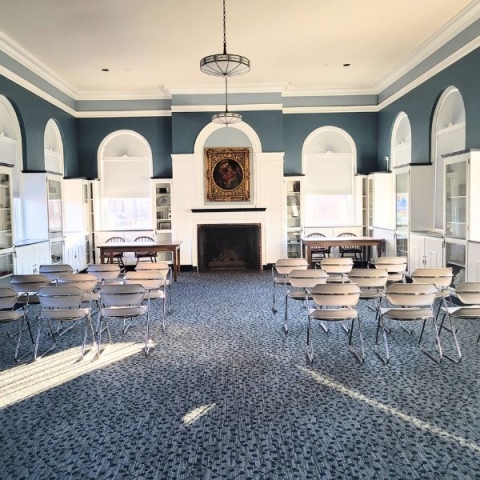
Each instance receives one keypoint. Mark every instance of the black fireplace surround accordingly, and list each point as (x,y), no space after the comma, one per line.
(229,246)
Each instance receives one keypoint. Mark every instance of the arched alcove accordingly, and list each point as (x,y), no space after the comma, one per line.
(53,148)
(448,135)
(329,164)
(125,169)
(401,142)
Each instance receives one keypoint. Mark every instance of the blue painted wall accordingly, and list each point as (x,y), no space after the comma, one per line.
(362,127)
(420,103)
(156,130)
(33,114)
(267,124)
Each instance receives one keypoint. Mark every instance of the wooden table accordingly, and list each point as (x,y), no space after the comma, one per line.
(309,243)
(173,246)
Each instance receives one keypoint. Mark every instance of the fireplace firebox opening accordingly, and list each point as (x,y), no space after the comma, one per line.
(229,246)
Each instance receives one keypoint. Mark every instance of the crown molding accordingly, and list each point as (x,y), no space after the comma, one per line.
(124,96)
(29,61)
(124,114)
(331,109)
(215,108)
(450,30)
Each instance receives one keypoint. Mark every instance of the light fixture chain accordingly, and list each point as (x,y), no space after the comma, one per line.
(224,28)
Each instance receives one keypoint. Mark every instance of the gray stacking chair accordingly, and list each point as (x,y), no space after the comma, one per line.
(280,271)
(409,303)
(372,283)
(62,304)
(467,308)
(337,268)
(8,315)
(165,269)
(154,282)
(301,284)
(335,303)
(27,287)
(123,302)
(52,272)
(395,266)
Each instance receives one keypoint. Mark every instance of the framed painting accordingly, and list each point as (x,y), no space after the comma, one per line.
(227,172)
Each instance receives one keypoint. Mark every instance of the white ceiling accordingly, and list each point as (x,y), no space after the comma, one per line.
(153,46)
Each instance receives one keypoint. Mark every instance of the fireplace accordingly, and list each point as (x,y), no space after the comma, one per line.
(229,246)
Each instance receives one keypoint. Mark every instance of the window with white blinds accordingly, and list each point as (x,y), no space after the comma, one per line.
(126,196)
(329,190)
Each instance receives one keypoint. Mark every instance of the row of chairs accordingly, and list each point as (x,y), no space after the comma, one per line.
(336,301)
(66,297)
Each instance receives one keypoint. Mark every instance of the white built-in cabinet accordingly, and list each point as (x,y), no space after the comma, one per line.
(293,215)
(6,225)
(380,200)
(43,213)
(77,223)
(462,224)
(162,214)
(426,251)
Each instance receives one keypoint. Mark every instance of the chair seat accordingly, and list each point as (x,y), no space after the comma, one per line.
(10,316)
(472,311)
(65,314)
(124,312)
(333,315)
(406,314)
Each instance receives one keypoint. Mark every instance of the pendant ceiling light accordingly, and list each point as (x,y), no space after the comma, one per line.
(226,118)
(225,64)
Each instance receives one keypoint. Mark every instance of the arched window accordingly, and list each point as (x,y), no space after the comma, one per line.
(401,146)
(448,136)
(125,170)
(53,146)
(329,163)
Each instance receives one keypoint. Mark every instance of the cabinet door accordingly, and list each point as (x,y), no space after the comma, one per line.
(416,252)
(434,252)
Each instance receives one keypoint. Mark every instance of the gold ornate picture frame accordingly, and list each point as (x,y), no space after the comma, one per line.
(227,173)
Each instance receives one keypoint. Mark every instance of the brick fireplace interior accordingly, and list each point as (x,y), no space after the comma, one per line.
(229,246)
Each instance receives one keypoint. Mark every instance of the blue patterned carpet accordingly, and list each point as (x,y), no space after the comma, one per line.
(225,394)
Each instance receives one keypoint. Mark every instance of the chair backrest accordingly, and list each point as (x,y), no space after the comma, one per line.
(52,272)
(346,234)
(115,240)
(144,239)
(105,272)
(315,235)
(307,278)
(468,293)
(122,295)
(148,279)
(441,277)
(60,296)
(162,267)
(29,283)
(337,295)
(369,278)
(8,298)
(411,294)
(337,265)
(84,281)
(285,265)
(392,264)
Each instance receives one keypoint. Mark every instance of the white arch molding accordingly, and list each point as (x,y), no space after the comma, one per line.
(333,132)
(53,148)
(117,135)
(211,127)
(448,135)
(400,142)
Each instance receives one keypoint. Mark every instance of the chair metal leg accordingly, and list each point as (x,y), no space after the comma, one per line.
(385,359)
(360,355)
(452,329)
(437,342)
(309,339)
(285,321)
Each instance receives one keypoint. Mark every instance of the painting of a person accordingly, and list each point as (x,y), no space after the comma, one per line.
(227,174)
